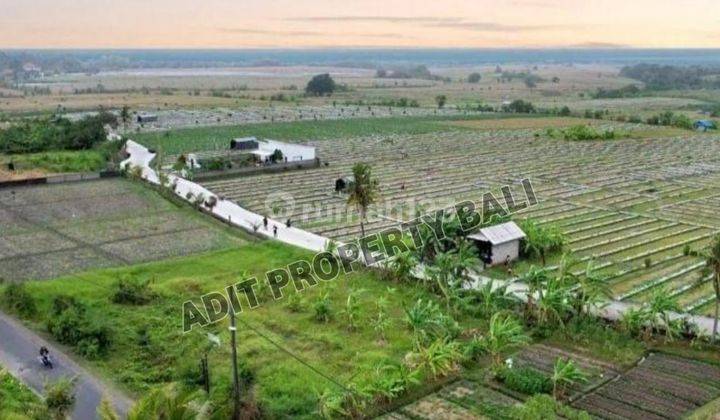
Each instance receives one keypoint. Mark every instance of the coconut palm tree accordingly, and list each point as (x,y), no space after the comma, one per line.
(171,403)
(593,290)
(659,307)
(364,191)
(503,333)
(442,272)
(712,268)
(466,258)
(555,305)
(565,374)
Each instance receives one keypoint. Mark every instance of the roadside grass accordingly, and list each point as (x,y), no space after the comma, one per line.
(17,402)
(214,138)
(149,347)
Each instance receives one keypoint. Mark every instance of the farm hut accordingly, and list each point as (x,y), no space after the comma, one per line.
(500,243)
(704,125)
(146,118)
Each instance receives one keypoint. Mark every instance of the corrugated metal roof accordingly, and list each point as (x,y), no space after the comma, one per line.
(499,234)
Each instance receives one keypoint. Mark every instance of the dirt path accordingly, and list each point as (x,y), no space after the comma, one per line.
(18,353)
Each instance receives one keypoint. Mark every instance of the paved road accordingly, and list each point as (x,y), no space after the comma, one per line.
(18,353)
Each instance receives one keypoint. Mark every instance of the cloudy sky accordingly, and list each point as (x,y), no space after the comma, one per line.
(357,23)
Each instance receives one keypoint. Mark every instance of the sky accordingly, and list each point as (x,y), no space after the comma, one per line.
(359,23)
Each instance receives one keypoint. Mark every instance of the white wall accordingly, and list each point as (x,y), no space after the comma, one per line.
(500,252)
(291,151)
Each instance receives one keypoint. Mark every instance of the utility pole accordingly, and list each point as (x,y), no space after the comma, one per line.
(236,380)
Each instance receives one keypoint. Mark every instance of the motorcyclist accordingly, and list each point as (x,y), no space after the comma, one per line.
(45,356)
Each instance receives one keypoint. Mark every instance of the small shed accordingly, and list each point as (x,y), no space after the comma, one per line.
(146,118)
(500,243)
(704,125)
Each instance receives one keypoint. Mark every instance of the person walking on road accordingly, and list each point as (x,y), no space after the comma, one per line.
(265,222)
(275,231)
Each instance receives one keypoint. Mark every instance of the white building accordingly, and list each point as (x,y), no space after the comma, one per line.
(265,148)
(499,243)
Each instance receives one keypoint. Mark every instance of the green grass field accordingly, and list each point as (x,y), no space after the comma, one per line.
(211,138)
(149,347)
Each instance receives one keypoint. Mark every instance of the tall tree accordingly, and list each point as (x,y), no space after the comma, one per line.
(364,191)
(321,85)
(593,290)
(712,268)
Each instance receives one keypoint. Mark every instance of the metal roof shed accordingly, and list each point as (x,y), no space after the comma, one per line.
(499,243)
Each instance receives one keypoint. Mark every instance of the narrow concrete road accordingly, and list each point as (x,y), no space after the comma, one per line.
(19,355)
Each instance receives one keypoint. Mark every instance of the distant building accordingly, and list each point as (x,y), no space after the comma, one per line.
(146,118)
(263,149)
(704,125)
(500,243)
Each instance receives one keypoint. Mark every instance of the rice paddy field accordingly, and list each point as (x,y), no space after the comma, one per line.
(631,205)
(52,230)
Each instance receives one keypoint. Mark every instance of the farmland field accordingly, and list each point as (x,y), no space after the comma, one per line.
(52,230)
(632,205)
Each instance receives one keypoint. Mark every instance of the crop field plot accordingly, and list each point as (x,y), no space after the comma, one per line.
(634,206)
(47,231)
(660,387)
(461,400)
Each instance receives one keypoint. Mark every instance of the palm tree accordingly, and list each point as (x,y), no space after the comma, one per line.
(712,268)
(565,374)
(659,307)
(442,273)
(593,290)
(503,333)
(170,403)
(364,191)
(466,258)
(555,305)
(490,298)
(536,279)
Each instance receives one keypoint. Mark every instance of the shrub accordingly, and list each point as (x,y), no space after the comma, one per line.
(544,407)
(69,324)
(19,300)
(582,133)
(474,77)
(647,262)
(525,380)
(60,397)
(519,106)
(132,292)
(322,308)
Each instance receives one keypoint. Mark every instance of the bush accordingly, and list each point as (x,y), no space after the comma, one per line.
(69,324)
(520,107)
(132,292)
(525,380)
(48,134)
(544,407)
(60,398)
(322,308)
(582,133)
(19,300)
(474,77)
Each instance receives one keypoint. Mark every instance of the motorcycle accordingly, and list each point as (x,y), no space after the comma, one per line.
(45,361)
